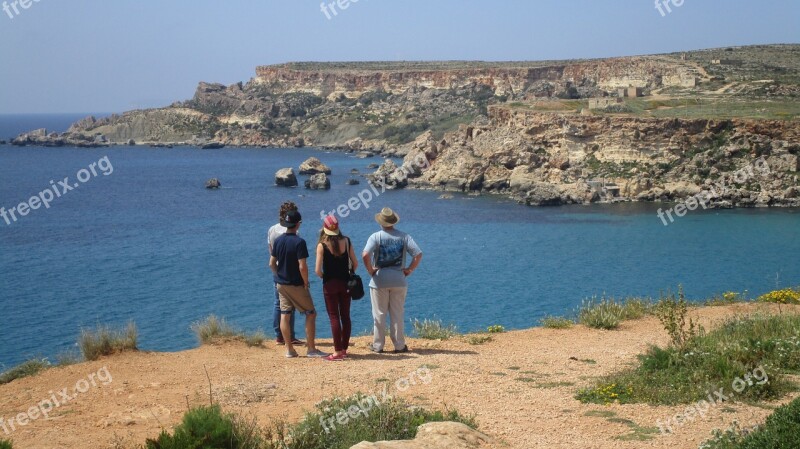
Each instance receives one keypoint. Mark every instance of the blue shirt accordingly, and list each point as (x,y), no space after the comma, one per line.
(388,250)
(289,249)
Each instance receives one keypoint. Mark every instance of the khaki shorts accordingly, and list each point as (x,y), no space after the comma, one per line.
(295,297)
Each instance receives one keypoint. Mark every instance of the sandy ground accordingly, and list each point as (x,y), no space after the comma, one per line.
(520,386)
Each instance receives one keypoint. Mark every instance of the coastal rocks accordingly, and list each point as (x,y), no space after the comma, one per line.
(213,183)
(543,194)
(389,175)
(40,137)
(364,155)
(353,182)
(285,177)
(373,166)
(212,146)
(440,435)
(313,166)
(319,181)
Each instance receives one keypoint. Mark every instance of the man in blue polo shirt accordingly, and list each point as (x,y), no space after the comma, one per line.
(288,264)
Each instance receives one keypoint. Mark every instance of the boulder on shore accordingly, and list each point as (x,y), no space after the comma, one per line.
(319,181)
(438,435)
(213,183)
(353,182)
(313,166)
(285,177)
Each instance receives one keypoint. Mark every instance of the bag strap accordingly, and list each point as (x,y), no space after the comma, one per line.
(347,251)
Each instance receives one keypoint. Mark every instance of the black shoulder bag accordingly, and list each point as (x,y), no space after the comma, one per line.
(355,286)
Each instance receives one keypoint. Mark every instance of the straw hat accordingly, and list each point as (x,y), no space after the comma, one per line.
(387,218)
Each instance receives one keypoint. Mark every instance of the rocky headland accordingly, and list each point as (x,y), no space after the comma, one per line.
(646,128)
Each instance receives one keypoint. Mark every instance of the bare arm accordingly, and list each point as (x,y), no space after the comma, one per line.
(414,264)
(273,264)
(368,263)
(304,272)
(320,255)
(353,258)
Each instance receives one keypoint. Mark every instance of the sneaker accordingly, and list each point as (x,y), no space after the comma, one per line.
(334,358)
(298,342)
(280,342)
(291,355)
(316,354)
(401,351)
(376,351)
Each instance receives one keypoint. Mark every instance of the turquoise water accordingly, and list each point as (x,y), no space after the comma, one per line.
(149,243)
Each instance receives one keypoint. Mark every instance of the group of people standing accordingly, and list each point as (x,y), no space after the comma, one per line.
(384,258)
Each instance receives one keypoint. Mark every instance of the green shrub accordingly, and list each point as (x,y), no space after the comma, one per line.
(672,311)
(201,428)
(382,420)
(25,369)
(107,341)
(434,329)
(376,420)
(6,444)
(553,322)
(215,330)
(781,430)
(496,329)
(707,362)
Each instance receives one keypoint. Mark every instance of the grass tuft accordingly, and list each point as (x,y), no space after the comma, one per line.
(6,444)
(554,322)
(25,369)
(434,329)
(479,339)
(105,341)
(215,330)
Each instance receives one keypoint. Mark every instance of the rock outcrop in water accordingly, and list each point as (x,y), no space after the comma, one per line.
(319,181)
(313,166)
(540,132)
(285,177)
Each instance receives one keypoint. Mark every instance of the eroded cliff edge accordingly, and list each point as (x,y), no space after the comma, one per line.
(661,127)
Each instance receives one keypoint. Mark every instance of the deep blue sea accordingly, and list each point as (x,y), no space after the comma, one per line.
(149,243)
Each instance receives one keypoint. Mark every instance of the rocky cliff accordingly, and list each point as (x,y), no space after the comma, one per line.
(543,132)
(549,158)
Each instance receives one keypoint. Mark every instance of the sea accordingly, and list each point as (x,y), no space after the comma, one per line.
(141,239)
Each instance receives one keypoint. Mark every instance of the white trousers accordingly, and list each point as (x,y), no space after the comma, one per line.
(391,301)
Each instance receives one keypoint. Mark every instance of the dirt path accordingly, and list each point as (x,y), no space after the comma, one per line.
(521,387)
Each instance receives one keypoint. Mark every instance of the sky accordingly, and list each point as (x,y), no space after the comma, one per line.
(61,56)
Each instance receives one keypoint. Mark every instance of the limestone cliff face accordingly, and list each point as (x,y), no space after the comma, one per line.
(530,130)
(550,158)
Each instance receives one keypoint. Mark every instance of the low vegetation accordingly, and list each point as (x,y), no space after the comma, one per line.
(555,322)
(434,329)
(215,330)
(608,313)
(784,296)
(479,339)
(377,420)
(779,431)
(6,444)
(749,353)
(104,340)
(25,369)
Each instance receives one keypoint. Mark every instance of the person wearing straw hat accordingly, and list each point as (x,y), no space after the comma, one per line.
(336,259)
(384,258)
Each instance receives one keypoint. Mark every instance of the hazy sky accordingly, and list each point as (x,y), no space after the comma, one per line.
(115,55)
